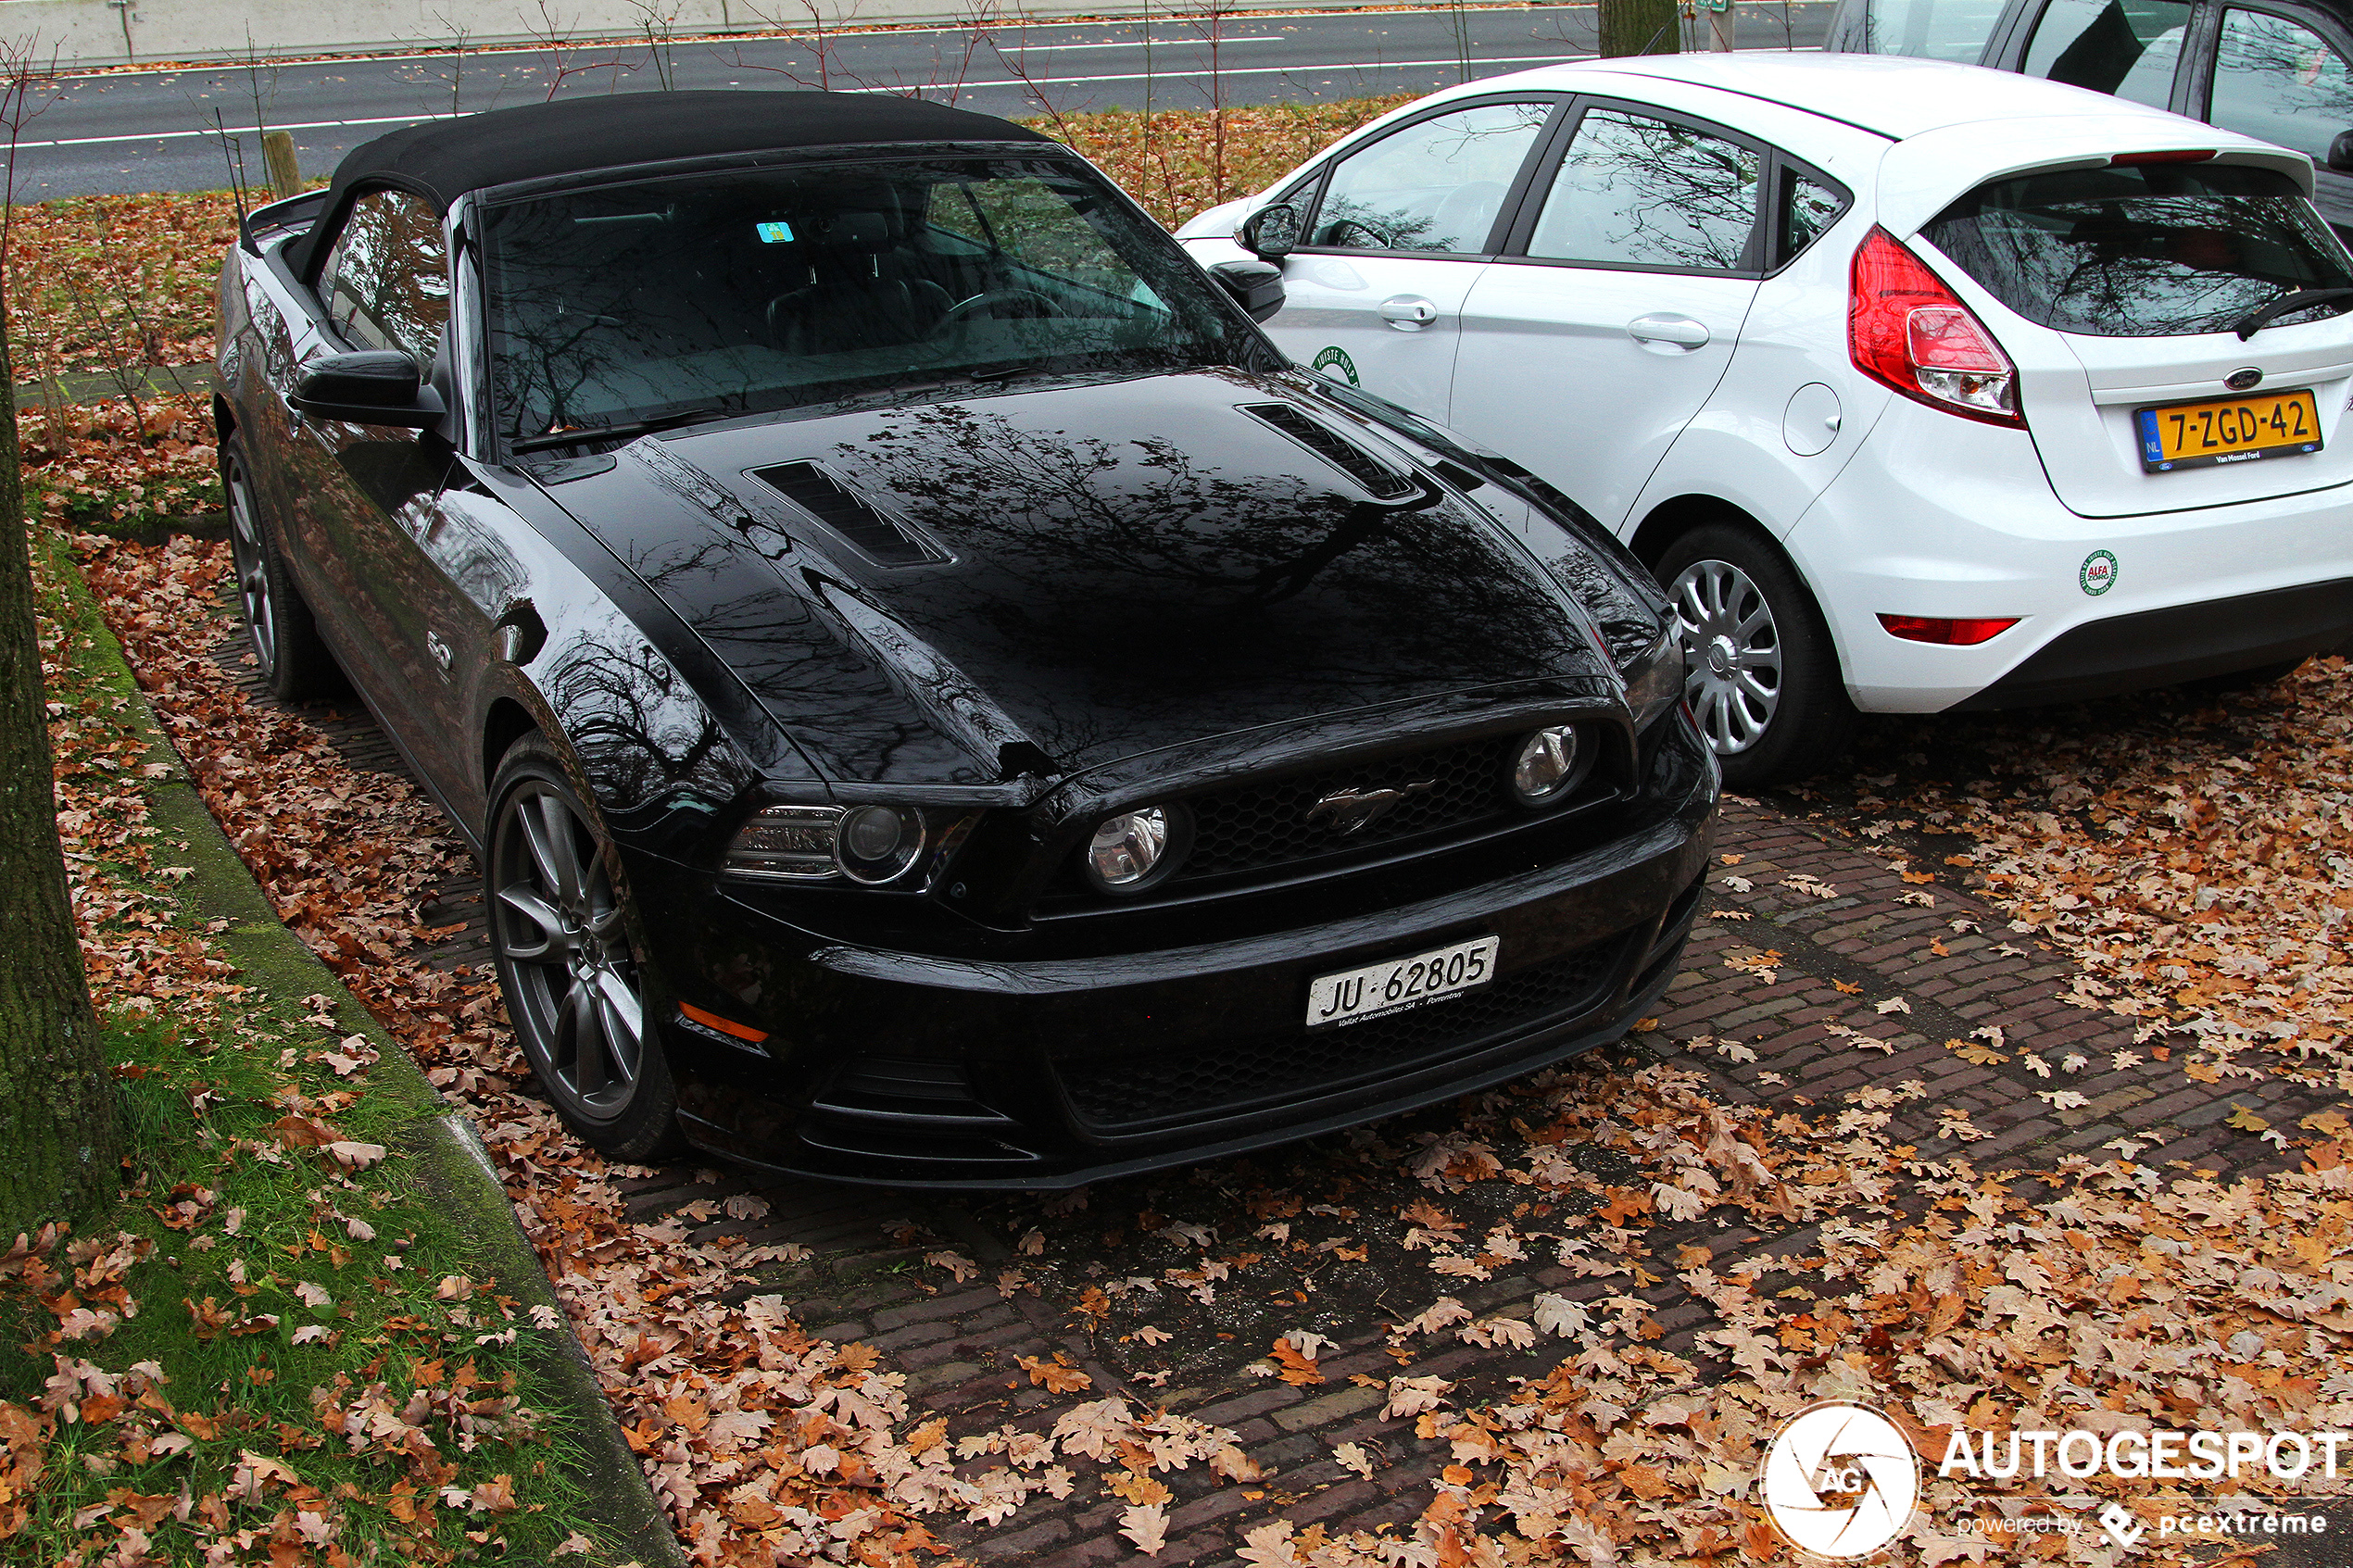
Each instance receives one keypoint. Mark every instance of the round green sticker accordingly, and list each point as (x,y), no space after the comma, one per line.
(1336,359)
(2099,574)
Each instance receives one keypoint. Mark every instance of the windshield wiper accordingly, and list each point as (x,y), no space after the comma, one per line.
(2263,316)
(614,433)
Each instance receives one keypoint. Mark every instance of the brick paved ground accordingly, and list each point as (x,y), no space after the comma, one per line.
(1853,946)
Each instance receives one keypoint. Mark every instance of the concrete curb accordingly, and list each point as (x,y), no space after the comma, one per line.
(451,1157)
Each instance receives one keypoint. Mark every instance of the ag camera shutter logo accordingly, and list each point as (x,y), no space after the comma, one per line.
(1839,1481)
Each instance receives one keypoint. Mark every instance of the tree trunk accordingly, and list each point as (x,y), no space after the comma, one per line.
(1642,27)
(58,1142)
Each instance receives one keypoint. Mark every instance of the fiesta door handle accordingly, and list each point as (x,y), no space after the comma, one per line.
(1668,331)
(1408,312)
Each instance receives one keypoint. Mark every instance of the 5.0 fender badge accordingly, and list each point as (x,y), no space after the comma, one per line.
(2098,573)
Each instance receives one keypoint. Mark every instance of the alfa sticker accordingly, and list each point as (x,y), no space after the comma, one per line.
(1334,362)
(2099,574)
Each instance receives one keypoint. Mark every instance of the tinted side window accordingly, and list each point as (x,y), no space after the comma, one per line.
(1931,29)
(2164,250)
(2281,81)
(386,283)
(1637,191)
(1804,208)
(2111,46)
(1434,186)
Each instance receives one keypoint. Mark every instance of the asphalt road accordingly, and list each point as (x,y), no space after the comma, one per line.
(133,130)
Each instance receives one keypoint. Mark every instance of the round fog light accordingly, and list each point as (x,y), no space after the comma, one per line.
(1133,850)
(876,843)
(1551,762)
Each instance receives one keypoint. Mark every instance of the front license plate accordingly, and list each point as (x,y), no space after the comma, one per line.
(2234,429)
(1354,995)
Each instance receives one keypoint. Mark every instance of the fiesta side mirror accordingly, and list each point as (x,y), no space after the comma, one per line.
(2341,153)
(369,387)
(1257,286)
(1271,233)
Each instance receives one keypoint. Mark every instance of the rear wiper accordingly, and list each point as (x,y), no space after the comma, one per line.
(2294,300)
(614,433)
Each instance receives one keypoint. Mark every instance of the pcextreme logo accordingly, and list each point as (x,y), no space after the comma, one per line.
(1840,1481)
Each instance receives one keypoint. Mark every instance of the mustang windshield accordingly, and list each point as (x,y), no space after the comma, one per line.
(748,290)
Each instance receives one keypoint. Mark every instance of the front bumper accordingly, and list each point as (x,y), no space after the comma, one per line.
(903,1068)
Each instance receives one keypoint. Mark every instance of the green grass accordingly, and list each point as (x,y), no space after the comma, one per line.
(206,1082)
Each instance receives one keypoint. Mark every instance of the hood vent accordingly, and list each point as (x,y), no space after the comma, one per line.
(874,532)
(1377,478)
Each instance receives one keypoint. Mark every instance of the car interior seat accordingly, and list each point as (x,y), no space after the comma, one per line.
(864,290)
(1464,217)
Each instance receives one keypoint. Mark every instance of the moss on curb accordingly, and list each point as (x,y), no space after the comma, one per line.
(450,1158)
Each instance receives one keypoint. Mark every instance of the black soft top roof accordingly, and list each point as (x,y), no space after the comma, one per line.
(442,160)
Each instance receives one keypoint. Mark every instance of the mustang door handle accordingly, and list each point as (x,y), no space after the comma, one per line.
(1408,312)
(1678,331)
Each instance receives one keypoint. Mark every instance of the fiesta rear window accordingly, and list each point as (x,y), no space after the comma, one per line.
(2160,250)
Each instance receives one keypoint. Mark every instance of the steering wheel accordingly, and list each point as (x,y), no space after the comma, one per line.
(1340,233)
(985,304)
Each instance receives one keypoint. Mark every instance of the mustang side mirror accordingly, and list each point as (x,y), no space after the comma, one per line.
(372,387)
(2341,152)
(1271,233)
(1257,286)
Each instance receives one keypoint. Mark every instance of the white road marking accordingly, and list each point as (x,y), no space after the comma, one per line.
(1359,66)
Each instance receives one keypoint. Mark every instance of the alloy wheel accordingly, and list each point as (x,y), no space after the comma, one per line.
(573,977)
(250,558)
(1731,651)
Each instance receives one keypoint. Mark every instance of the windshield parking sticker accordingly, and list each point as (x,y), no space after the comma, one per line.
(2099,574)
(1334,362)
(775,232)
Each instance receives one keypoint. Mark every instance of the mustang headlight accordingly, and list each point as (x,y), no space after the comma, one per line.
(1654,679)
(876,843)
(1136,849)
(872,845)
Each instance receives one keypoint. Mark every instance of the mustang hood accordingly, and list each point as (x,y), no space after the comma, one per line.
(1046,581)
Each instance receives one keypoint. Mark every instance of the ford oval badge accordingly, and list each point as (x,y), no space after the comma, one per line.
(2240,381)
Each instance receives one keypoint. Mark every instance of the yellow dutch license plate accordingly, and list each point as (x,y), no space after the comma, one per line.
(2233,430)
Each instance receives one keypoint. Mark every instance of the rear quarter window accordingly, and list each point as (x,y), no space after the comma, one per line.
(2163,250)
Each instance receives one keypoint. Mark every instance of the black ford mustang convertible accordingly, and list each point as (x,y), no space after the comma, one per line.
(937,698)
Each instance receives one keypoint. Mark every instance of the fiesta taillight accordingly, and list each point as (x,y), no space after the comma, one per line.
(1964,632)
(1905,329)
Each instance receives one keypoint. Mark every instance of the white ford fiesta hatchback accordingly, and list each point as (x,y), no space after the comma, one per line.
(1923,387)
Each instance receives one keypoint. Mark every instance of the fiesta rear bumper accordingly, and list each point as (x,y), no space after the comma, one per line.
(2160,648)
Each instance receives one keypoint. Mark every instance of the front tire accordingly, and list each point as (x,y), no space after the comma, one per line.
(295,663)
(567,965)
(1763,679)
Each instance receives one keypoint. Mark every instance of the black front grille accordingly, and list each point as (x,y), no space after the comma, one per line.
(1123,1091)
(1275,822)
